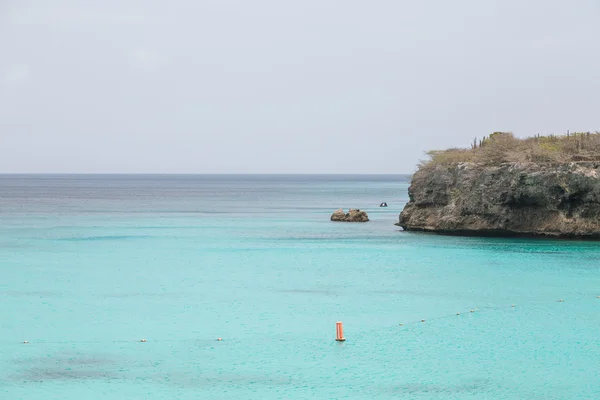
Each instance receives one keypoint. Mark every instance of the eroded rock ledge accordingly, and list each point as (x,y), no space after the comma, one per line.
(560,200)
(353,215)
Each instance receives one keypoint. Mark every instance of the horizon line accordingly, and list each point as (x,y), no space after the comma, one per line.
(200,173)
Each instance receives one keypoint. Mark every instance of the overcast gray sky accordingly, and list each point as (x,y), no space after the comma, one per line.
(274,86)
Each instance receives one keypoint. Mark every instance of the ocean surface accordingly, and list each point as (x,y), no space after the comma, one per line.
(92,265)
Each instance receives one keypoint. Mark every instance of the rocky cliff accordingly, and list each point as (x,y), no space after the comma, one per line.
(560,200)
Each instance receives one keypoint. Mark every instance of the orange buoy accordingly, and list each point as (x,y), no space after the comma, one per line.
(339,332)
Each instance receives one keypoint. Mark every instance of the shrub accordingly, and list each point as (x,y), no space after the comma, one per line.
(502,147)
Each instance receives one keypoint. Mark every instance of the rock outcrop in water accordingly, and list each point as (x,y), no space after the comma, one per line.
(559,200)
(353,215)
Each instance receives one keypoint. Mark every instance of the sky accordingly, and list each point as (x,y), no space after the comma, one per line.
(272,86)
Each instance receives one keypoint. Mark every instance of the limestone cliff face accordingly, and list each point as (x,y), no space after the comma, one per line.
(509,199)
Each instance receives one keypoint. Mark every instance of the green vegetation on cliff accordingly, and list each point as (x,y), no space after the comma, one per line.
(503,147)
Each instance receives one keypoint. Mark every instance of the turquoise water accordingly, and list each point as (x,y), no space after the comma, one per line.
(90,265)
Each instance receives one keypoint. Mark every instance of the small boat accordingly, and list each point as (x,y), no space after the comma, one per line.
(384,204)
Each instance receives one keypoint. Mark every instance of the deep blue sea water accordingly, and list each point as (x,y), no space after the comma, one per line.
(90,265)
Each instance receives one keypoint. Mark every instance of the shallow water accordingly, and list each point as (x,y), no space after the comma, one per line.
(91,265)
